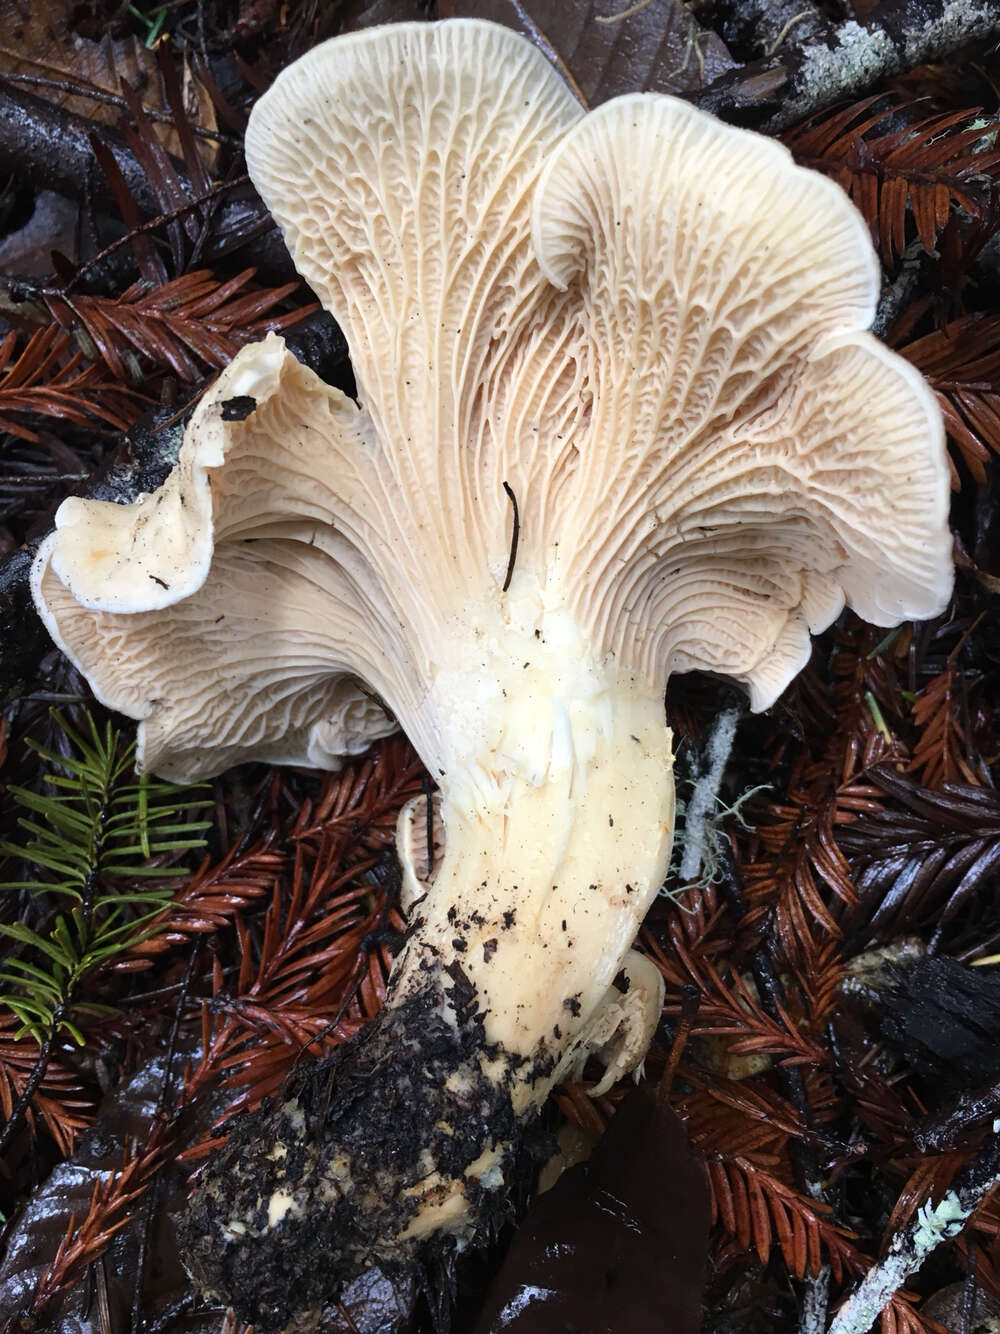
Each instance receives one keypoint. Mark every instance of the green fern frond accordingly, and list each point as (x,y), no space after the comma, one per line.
(96,837)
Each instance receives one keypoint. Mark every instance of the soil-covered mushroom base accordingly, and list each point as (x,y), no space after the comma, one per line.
(361,1162)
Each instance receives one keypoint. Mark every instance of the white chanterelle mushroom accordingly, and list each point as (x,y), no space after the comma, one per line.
(646,329)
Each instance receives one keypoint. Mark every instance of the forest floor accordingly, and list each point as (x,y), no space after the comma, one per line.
(830,1036)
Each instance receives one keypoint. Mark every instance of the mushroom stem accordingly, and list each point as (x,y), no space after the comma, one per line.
(541,890)
(558,835)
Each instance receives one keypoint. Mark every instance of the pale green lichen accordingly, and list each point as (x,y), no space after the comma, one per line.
(958,22)
(863,56)
(935,1223)
(859,58)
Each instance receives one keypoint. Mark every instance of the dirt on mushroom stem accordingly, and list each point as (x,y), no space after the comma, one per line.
(305,1193)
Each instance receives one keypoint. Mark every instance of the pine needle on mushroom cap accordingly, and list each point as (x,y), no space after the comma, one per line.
(646,329)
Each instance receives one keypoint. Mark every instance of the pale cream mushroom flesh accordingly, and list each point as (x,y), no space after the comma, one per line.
(645,327)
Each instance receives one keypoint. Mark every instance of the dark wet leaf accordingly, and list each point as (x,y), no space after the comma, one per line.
(660,47)
(68,1193)
(619,1243)
(356,14)
(374,1304)
(27,252)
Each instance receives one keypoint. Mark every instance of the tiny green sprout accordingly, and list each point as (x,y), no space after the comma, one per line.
(877,716)
(152,23)
(885,642)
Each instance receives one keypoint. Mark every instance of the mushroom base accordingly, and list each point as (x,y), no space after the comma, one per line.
(373,1157)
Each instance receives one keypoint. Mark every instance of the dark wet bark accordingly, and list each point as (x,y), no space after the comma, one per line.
(52,148)
(819,63)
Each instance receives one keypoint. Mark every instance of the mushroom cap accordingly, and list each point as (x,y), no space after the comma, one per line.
(221,610)
(646,325)
(759,458)
(705,441)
